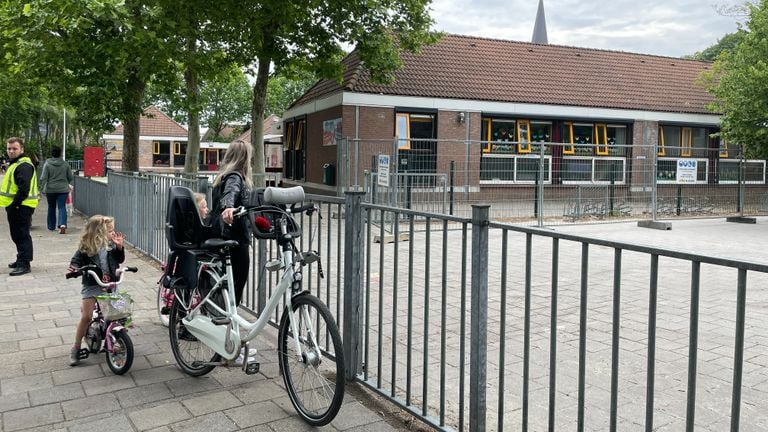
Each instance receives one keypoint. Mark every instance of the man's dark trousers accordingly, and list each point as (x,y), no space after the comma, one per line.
(20,221)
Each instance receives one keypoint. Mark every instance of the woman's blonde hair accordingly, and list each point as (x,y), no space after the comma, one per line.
(96,234)
(237,159)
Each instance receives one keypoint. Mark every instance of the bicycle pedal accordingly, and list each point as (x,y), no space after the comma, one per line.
(83,353)
(221,320)
(251,368)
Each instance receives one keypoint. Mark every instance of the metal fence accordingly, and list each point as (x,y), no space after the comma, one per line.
(546,183)
(496,326)
(501,327)
(138,202)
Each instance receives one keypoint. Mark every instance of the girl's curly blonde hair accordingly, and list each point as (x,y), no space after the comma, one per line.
(96,234)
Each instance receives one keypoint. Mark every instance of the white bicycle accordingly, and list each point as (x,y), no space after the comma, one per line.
(205,326)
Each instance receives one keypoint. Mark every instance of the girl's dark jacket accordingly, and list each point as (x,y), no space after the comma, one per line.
(231,192)
(114,258)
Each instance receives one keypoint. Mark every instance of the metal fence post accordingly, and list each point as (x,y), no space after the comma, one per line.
(353,283)
(478,357)
(540,186)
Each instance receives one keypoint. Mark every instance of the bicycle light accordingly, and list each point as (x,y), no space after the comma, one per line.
(262,224)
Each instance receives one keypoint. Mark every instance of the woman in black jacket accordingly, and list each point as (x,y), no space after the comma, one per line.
(230,190)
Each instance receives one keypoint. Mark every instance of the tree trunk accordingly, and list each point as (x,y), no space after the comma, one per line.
(131,125)
(193,101)
(257,119)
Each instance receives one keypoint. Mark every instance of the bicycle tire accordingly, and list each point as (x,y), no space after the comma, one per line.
(161,304)
(323,372)
(120,359)
(191,355)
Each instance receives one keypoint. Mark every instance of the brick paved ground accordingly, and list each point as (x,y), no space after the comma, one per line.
(40,391)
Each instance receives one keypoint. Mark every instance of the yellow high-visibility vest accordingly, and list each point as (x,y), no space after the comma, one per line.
(9,188)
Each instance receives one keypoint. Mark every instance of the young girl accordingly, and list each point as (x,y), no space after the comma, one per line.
(102,246)
(202,206)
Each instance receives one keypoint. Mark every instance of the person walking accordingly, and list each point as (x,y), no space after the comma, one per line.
(56,182)
(18,195)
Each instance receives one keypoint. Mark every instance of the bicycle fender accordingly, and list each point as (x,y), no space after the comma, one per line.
(118,329)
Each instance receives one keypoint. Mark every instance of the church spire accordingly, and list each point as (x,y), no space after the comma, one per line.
(540,28)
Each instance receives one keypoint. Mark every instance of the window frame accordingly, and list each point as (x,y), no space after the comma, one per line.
(523,142)
(723,150)
(403,143)
(592,180)
(738,161)
(686,146)
(604,135)
(662,150)
(571,148)
(515,158)
(487,143)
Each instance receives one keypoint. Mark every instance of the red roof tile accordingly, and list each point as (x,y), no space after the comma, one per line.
(465,67)
(155,123)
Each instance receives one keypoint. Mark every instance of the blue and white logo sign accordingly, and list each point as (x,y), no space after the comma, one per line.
(382,178)
(686,170)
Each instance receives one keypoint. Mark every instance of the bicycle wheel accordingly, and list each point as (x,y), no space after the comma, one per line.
(121,357)
(164,299)
(191,355)
(314,377)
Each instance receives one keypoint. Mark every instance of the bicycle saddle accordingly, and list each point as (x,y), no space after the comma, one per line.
(218,243)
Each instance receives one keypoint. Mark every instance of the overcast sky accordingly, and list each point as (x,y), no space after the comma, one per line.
(663,27)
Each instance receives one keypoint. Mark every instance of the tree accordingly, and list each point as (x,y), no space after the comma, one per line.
(283,90)
(226,99)
(738,82)
(96,56)
(282,36)
(726,43)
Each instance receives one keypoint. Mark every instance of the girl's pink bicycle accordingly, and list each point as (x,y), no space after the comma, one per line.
(108,330)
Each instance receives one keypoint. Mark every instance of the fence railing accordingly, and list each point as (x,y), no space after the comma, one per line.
(495,326)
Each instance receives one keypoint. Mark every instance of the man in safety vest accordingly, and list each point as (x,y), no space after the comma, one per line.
(18,194)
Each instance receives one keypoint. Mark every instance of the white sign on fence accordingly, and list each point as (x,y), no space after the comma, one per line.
(382,178)
(686,170)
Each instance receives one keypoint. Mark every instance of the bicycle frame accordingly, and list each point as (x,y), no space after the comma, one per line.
(227,342)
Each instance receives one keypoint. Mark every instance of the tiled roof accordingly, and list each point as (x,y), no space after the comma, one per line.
(226,131)
(269,129)
(155,123)
(465,67)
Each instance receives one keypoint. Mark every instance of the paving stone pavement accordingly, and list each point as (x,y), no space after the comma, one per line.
(40,391)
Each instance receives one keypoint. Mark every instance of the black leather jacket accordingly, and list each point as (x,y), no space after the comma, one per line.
(114,258)
(231,192)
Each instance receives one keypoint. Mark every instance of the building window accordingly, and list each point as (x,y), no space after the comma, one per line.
(299,153)
(208,159)
(685,142)
(295,149)
(510,169)
(601,139)
(728,171)
(523,136)
(594,153)
(511,150)
(179,153)
(403,131)
(288,147)
(161,153)
(723,148)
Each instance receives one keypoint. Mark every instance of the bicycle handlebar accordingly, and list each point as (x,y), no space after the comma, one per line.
(87,269)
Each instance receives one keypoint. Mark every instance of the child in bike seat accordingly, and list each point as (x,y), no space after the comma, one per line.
(202,205)
(102,246)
